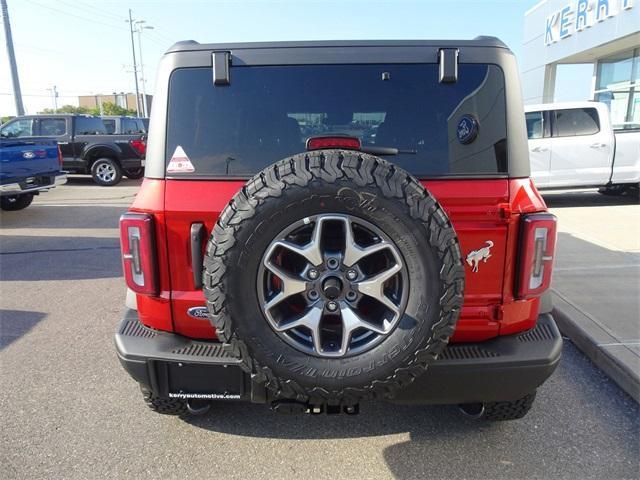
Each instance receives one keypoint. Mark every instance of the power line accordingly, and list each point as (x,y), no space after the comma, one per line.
(159,36)
(76,16)
(104,12)
(90,10)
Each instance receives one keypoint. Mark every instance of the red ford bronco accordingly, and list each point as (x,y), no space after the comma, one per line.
(322,223)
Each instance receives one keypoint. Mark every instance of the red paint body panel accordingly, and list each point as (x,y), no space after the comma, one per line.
(155,311)
(480,210)
(188,202)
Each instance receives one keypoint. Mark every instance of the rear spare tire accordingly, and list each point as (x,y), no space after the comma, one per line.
(334,276)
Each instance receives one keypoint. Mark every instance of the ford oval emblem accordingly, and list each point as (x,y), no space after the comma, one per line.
(467,129)
(201,313)
(28,154)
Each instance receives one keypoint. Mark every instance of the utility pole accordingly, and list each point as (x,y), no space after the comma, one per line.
(54,95)
(139,28)
(135,65)
(17,95)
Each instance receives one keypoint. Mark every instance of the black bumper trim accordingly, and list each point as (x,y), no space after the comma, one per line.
(504,368)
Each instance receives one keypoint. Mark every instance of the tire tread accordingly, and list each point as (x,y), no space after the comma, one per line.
(330,166)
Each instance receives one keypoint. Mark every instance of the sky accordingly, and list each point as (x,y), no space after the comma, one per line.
(83,47)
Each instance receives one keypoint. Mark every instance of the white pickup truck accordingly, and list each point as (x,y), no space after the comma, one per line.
(574,145)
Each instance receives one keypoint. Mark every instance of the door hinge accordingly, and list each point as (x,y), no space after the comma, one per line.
(448,60)
(221,63)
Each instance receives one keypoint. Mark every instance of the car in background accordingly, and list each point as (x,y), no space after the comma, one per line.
(119,125)
(573,144)
(86,148)
(27,168)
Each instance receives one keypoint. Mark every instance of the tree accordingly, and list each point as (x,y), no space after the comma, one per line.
(67,109)
(110,108)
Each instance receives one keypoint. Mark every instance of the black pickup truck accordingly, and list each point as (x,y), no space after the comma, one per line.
(85,145)
(119,125)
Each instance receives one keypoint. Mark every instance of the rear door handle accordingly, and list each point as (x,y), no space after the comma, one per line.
(195,238)
(539,149)
(598,145)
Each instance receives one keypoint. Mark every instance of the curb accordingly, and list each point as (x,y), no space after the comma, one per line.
(621,364)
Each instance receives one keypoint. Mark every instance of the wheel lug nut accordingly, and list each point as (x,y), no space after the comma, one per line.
(313,295)
(351,295)
(313,274)
(332,306)
(332,263)
(352,274)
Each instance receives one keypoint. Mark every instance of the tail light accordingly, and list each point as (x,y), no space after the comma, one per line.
(537,251)
(59,156)
(319,143)
(137,241)
(139,146)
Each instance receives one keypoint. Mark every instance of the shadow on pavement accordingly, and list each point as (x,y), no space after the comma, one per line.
(578,433)
(86,180)
(585,198)
(16,323)
(444,444)
(69,216)
(30,258)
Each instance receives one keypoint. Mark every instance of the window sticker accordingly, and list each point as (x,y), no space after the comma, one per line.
(180,163)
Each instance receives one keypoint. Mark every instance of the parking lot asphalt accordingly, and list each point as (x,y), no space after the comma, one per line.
(596,281)
(68,410)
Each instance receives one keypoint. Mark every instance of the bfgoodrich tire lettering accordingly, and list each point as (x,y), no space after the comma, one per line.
(334,182)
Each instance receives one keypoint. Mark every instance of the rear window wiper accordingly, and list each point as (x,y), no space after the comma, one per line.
(374,150)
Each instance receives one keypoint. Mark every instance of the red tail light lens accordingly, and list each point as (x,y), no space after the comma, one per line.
(59,156)
(139,146)
(137,241)
(537,252)
(319,143)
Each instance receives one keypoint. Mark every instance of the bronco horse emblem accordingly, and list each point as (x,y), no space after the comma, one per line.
(482,254)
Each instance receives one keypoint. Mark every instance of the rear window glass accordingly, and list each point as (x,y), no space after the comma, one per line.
(53,127)
(89,126)
(130,126)
(110,125)
(577,121)
(268,113)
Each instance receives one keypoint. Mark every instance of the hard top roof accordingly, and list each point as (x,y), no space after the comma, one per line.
(481,41)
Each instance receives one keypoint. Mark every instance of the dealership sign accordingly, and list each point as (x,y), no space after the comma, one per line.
(581,14)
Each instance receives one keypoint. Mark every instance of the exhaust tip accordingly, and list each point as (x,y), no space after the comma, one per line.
(474,411)
(197,409)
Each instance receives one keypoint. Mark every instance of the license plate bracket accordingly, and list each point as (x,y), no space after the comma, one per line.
(205,381)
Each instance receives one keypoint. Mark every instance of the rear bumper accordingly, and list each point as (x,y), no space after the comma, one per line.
(39,184)
(505,368)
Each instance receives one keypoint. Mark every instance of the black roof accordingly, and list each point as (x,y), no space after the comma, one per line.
(481,41)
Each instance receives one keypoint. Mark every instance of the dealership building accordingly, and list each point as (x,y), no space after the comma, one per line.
(603,33)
